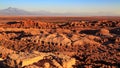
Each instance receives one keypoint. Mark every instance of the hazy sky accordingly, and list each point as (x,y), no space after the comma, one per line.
(62,6)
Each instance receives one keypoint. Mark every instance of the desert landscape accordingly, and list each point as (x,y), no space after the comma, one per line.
(59,42)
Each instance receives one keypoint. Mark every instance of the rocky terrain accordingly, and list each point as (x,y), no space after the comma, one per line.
(59,42)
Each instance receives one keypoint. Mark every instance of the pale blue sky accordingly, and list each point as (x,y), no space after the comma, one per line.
(61,6)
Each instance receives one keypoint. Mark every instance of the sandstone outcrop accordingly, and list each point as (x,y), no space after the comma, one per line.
(60,42)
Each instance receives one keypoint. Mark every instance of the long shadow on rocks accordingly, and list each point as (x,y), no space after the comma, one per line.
(89,32)
(9,23)
(115,31)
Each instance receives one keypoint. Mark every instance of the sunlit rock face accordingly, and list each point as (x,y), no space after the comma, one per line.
(59,42)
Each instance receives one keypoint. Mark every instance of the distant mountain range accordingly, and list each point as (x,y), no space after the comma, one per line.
(16,11)
(19,12)
(13,11)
